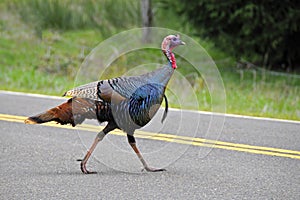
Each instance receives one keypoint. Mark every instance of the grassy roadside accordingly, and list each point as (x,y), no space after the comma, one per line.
(47,63)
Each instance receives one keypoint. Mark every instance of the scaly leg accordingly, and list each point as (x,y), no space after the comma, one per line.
(98,138)
(132,143)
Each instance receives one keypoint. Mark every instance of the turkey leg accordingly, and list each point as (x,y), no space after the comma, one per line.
(98,138)
(132,143)
(109,127)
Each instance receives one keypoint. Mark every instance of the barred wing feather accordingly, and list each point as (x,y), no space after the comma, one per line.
(116,89)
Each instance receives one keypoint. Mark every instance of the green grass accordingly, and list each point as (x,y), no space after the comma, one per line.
(267,96)
(44,58)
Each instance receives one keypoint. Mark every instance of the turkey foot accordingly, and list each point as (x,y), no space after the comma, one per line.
(83,168)
(150,169)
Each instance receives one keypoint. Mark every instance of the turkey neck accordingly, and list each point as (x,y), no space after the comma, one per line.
(162,75)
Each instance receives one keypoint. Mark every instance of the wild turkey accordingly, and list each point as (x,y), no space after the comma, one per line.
(126,103)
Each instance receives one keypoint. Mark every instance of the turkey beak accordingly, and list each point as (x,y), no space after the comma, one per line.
(182,43)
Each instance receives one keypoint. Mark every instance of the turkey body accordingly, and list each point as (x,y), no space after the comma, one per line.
(129,103)
(101,100)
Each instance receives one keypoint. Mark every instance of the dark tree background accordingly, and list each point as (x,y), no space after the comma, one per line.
(263,32)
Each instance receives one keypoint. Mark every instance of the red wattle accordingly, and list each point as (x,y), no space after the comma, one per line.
(173,60)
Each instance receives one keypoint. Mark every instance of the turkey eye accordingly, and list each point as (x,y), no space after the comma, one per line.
(174,39)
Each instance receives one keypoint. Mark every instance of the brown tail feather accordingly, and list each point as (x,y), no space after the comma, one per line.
(77,108)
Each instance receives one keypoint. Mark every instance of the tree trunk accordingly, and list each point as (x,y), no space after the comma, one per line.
(147,17)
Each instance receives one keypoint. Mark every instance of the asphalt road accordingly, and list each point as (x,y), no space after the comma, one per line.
(244,158)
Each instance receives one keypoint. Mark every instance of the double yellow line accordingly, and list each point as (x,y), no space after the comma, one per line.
(177,139)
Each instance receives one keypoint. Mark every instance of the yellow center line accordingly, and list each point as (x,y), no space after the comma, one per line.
(195,141)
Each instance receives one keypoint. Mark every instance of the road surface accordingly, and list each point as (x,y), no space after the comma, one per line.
(206,156)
